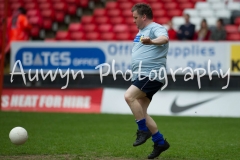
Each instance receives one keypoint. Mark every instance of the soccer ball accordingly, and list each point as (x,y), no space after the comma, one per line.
(18,135)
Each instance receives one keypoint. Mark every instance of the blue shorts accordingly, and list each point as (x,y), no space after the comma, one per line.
(147,86)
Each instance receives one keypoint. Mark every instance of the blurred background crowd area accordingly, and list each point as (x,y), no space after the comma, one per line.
(51,20)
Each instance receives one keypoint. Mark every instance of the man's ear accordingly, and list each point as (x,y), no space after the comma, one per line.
(144,17)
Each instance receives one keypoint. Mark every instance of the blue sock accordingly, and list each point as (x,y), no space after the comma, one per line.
(142,125)
(158,138)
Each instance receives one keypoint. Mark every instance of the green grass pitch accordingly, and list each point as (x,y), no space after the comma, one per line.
(106,136)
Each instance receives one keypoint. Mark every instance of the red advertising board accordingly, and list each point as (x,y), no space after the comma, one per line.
(53,100)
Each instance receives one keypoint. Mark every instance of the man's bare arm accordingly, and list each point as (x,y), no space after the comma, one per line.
(157,41)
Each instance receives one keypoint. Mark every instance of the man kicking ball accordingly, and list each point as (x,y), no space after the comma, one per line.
(150,49)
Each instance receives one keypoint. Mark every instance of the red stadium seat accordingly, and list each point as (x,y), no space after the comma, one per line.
(75,2)
(126,5)
(105,28)
(198,1)
(175,12)
(93,36)
(127,13)
(87,19)
(233,36)
(123,36)
(47,24)
(156,6)
(57,1)
(112,5)
(48,14)
(171,5)
(231,28)
(90,28)
(84,3)
(2,6)
(72,9)
(112,13)
(29,1)
(237,21)
(160,13)
(44,6)
(182,1)
(31,5)
(33,12)
(14,1)
(62,7)
(117,20)
(108,36)
(15,6)
(35,31)
(62,35)
(154,1)
(100,12)
(129,20)
(77,36)
(59,16)
(133,29)
(139,1)
(102,20)
(36,21)
(43,1)
(166,1)
(186,5)
(75,27)
(163,20)
(123,1)
(120,28)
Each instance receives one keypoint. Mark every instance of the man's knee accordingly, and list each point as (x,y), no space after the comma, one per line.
(128,97)
(133,93)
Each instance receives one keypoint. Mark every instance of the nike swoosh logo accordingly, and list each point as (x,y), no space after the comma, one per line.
(177,109)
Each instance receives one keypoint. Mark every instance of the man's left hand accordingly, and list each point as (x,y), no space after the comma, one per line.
(146,40)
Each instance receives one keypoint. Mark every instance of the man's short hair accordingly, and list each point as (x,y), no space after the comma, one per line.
(142,9)
(221,21)
(186,14)
(22,10)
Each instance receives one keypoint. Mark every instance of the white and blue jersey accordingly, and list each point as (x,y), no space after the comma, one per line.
(153,57)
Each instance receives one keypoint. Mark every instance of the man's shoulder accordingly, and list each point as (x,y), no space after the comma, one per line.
(158,26)
(192,25)
(22,17)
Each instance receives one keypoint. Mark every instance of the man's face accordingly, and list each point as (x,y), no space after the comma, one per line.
(138,20)
(219,25)
(186,17)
